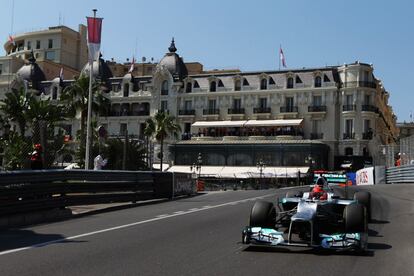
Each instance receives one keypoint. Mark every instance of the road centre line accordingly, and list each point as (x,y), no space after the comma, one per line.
(129,225)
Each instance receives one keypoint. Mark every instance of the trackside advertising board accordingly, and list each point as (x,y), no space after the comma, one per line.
(365,176)
(331,177)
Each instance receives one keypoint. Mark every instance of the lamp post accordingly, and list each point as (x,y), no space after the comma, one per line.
(260,166)
(311,162)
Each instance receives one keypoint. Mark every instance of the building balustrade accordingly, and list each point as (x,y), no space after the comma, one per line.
(368,84)
(236,111)
(288,109)
(211,111)
(262,110)
(349,107)
(370,108)
(348,136)
(317,108)
(367,135)
(186,112)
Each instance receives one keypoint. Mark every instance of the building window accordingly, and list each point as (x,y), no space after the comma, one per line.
(289,104)
(349,151)
(50,55)
(126,89)
(29,45)
(220,83)
(211,104)
(115,87)
(349,129)
(188,105)
(263,84)
(318,81)
(54,93)
(245,82)
(123,129)
(1,69)
(188,87)
(164,106)
(164,88)
(298,80)
(237,85)
(50,44)
(237,104)
(271,81)
(213,86)
(326,79)
(290,82)
(366,76)
(367,126)
(367,99)
(196,85)
(263,102)
(317,100)
(37,44)
(349,99)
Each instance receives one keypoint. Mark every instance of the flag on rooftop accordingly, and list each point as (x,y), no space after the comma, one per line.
(131,69)
(61,77)
(94,37)
(282,57)
(11,40)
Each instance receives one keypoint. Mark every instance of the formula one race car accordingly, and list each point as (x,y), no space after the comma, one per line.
(308,221)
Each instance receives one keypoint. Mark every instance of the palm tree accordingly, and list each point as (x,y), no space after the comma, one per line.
(161,127)
(75,97)
(14,107)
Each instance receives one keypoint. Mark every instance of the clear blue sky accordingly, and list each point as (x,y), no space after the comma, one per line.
(246,34)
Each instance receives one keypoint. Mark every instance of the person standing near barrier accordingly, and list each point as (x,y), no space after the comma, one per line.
(99,162)
(36,160)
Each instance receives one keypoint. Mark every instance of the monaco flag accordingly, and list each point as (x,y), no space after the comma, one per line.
(131,69)
(282,57)
(94,37)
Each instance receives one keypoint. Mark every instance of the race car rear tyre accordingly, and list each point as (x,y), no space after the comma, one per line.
(263,215)
(364,198)
(355,218)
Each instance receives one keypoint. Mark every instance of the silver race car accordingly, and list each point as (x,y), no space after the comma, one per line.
(307,220)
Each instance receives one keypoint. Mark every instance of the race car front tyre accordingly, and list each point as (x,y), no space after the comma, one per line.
(263,214)
(364,198)
(355,218)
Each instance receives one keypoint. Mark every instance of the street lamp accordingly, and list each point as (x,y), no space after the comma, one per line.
(311,162)
(196,166)
(260,166)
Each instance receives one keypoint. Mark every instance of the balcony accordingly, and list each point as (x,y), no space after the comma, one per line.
(262,110)
(316,136)
(288,109)
(141,113)
(211,111)
(236,111)
(369,108)
(349,107)
(368,84)
(349,136)
(186,112)
(317,108)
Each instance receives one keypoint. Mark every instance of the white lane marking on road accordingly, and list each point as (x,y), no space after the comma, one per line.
(180,212)
(127,225)
(194,209)
(163,215)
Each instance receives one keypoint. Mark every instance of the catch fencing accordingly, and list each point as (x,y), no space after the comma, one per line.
(28,191)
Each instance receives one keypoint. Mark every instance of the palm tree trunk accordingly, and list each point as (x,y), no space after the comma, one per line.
(162,152)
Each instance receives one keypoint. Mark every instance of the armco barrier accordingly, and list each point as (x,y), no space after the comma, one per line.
(401,174)
(23,191)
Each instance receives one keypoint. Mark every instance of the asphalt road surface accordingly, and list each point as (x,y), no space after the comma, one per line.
(202,236)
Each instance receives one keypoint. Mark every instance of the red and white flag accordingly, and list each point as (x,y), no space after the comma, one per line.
(94,37)
(61,77)
(282,57)
(131,69)
(11,40)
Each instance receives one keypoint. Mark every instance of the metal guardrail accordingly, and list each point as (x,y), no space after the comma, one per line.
(24,191)
(401,174)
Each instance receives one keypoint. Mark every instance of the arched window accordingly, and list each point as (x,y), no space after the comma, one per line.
(290,82)
(237,85)
(318,81)
(126,89)
(188,88)
(164,88)
(54,93)
(213,86)
(263,84)
(349,151)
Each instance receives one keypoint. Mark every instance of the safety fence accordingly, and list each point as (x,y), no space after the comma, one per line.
(28,191)
(400,174)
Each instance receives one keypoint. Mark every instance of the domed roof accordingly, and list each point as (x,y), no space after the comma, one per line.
(101,70)
(32,73)
(174,63)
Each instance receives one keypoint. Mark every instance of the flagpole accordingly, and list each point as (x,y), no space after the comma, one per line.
(88,121)
(280,47)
